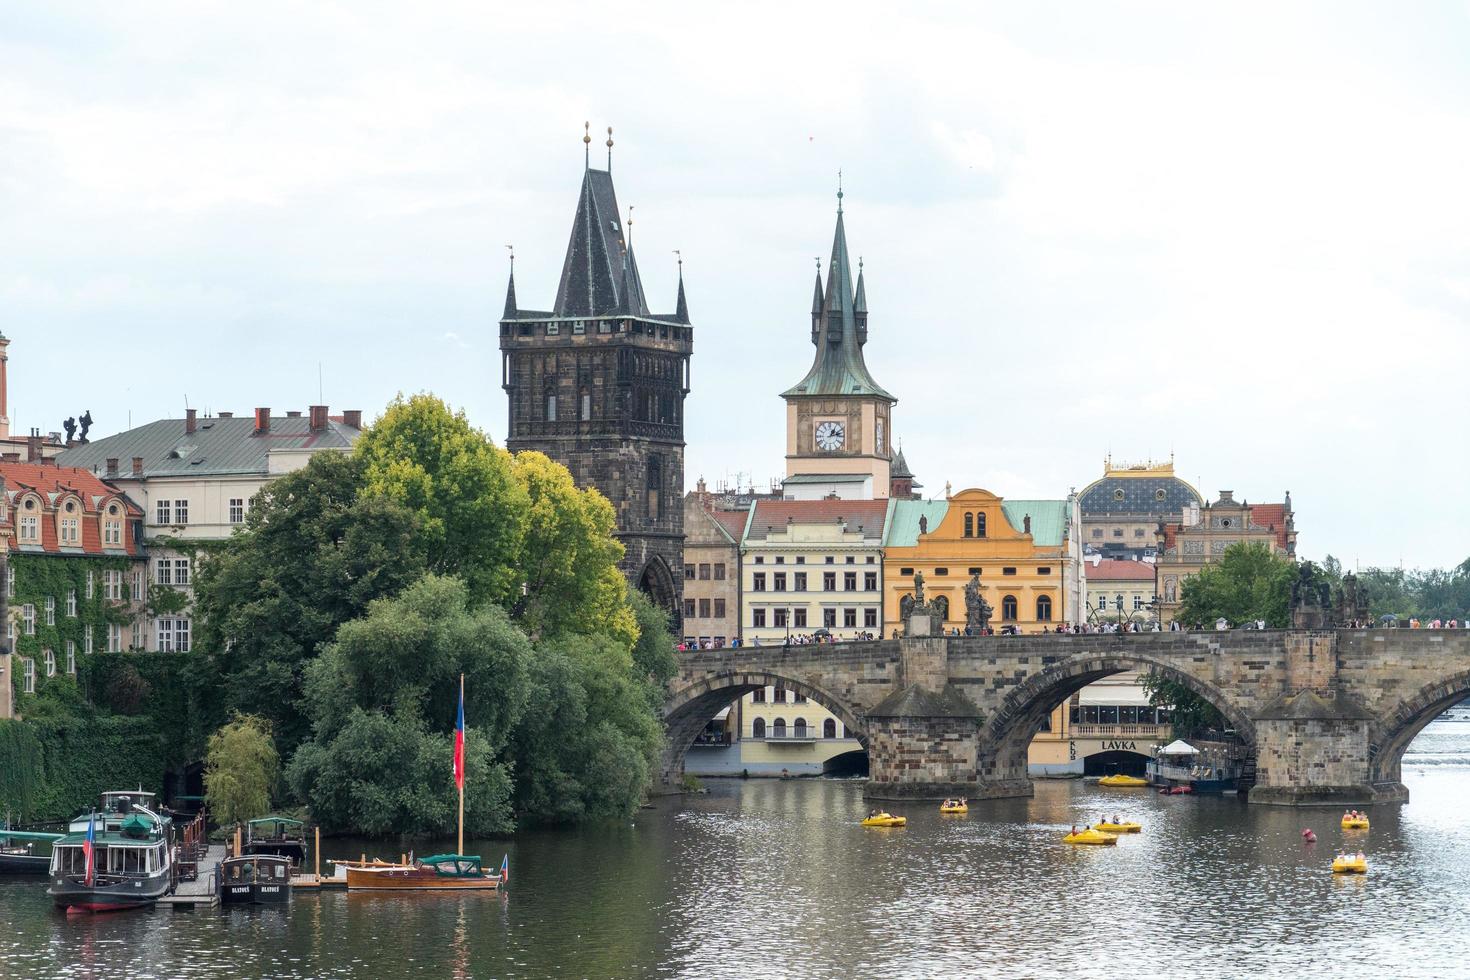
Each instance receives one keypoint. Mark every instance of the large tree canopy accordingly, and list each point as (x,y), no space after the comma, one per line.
(1248,583)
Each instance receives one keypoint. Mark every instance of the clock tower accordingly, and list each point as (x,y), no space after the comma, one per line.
(838,419)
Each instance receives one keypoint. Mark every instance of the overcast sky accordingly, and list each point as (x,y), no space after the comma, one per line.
(1237,234)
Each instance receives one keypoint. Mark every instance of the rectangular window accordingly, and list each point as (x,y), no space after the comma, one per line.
(71,603)
(163,572)
(758,617)
(704,609)
(112,532)
(688,608)
(112,585)
(829,618)
(852,559)
(1044,570)
(71,656)
(758,696)
(780,618)
(799,581)
(689,573)
(181,512)
(830,559)
(30,528)
(163,513)
(50,610)
(138,589)
(87,640)
(138,634)
(778,581)
(69,532)
(165,636)
(799,615)
(114,638)
(551,408)
(237,510)
(10,581)
(1008,571)
(829,581)
(849,618)
(181,635)
(28,667)
(719,571)
(870,618)
(28,619)
(758,582)
(1137,603)
(49,659)
(181,571)
(91,588)
(870,581)
(905,571)
(849,581)
(719,608)
(704,573)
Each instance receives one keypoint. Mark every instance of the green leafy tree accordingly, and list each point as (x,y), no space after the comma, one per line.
(653,654)
(471,509)
(1248,583)
(314,552)
(240,768)
(569,557)
(1189,713)
(383,698)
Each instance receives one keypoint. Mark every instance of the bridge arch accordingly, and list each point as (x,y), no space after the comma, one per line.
(1006,737)
(689,708)
(1401,724)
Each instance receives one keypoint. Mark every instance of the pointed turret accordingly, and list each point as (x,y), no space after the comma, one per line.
(681,307)
(860,308)
(838,368)
(510,297)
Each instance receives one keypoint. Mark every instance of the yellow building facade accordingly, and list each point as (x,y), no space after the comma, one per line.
(1025,553)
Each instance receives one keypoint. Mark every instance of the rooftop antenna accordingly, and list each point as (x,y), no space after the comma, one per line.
(512,250)
(609,149)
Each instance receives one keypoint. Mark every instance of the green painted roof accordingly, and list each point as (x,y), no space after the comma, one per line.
(902,523)
(1048,519)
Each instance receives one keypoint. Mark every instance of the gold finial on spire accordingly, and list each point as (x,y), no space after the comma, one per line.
(630,226)
(587,143)
(609,149)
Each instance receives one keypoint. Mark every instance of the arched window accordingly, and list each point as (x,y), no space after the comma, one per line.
(758,728)
(829,728)
(798,729)
(1043,609)
(969,525)
(1008,608)
(980,525)
(778,728)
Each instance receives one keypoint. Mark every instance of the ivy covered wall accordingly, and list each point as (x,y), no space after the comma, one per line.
(53,769)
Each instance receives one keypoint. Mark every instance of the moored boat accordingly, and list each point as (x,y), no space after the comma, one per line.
(255,879)
(276,835)
(438,872)
(117,858)
(1119,780)
(18,854)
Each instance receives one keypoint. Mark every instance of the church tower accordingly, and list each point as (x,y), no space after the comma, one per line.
(838,419)
(598,382)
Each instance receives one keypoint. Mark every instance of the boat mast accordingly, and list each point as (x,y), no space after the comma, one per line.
(461,775)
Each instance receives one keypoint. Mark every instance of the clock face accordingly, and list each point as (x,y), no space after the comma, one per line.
(829,436)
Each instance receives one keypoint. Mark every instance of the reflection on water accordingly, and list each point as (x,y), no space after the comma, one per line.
(776,878)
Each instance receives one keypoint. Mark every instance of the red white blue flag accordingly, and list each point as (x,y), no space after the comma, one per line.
(88,852)
(505,869)
(459,742)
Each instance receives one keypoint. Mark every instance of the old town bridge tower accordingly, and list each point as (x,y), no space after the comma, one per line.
(598,384)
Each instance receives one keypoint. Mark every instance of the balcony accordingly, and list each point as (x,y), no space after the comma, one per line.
(789,739)
(1120,731)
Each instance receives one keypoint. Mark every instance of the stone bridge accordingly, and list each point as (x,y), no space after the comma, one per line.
(1327,714)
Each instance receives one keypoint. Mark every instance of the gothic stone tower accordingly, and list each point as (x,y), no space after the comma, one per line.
(838,419)
(598,384)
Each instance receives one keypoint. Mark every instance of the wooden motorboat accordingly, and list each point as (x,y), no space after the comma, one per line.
(438,872)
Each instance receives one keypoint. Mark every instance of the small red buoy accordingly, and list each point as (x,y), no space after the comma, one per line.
(1308,836)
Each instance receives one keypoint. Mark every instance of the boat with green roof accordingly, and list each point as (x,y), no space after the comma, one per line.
(119,856)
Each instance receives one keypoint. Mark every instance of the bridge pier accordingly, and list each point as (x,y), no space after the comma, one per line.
(922,746)
(1312,748)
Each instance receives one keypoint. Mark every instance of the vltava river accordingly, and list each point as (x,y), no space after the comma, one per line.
(776,879)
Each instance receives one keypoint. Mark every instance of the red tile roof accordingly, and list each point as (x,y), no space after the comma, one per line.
(868,514)
(1272,516)
(1114,569)
(733,521)
(93,492)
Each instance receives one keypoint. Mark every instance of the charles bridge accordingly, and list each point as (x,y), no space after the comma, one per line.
(1327,714)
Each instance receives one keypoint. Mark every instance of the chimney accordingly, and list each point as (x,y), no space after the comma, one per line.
(138,466)
(262,421)
(112,466)
(226,415)
(318,418)
(33,446)
(352,418)
(11,457)
(191,421)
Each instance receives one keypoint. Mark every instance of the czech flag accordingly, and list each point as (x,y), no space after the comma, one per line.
(505,869)
(87,851)
(459,742)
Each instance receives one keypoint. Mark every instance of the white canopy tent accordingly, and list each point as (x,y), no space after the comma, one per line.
(1179,747)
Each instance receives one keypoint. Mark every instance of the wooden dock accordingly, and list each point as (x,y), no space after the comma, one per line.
(202,892)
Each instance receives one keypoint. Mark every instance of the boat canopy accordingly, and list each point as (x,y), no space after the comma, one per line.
(454,865)
(276,823)
(1179,747)
(33,835)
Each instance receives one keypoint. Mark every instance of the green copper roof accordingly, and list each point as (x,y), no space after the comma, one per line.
(902,524)
(839,330)
(1048,520)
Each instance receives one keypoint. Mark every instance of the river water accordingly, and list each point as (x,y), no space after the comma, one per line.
(777,879)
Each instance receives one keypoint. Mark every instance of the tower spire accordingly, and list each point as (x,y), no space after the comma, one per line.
(609,149)
(681,307)
(587,145)
(510,289)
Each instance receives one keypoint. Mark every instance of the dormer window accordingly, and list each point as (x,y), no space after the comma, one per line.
(29,531)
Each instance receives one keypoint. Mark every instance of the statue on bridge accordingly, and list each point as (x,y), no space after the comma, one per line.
(977,610)
(1353,603)
(918,588)
(1311,598)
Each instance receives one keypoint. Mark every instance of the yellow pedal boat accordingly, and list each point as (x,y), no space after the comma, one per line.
(1126,827)
(1122,781)
(1350,823)
(1344,865)
(885,819)
(961,808)
(1089,836)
